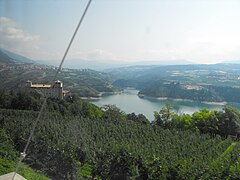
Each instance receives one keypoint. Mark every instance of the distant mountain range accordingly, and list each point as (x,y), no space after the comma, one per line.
(231,62)
(198,82)
(145,76)
(10,57)
(103,65)
(7,56)
(15,70)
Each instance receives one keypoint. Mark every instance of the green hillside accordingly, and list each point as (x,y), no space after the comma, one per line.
(77,140)
(175,90)
(213,83)
(14,57)
(15,70)
(85,82)
(8,159)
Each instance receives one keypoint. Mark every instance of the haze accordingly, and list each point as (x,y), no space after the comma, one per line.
(199,31)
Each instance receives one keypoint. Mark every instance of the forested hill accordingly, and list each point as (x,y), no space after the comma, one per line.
(7,57)
(77,140)
(15,70)
(198,73)
(84,82)
(216,82)
(208,93)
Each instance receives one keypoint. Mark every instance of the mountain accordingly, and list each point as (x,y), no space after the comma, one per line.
(232,62)
(17,69)
(199,82)
(101,65)
(85,82)
(170,71)
(7,56)
(91,64)
(4,58)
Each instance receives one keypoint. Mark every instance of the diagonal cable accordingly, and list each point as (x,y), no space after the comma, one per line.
(23,154)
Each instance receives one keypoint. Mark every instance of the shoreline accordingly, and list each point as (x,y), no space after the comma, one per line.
(90,98)
(222,103)
(100,95)
(215,103)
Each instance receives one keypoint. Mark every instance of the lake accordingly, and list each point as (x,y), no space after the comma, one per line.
(128,101)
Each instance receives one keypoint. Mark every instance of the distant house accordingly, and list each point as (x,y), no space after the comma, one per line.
(55,90)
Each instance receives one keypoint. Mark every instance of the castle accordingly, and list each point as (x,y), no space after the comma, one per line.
(55,91)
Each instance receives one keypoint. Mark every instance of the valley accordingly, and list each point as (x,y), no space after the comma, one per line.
(162,124)
(203,83)
(119,90)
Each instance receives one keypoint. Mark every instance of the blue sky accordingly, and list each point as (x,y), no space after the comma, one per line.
(200,31)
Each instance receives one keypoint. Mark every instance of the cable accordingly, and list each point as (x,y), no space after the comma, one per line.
(23,154)
(70,43)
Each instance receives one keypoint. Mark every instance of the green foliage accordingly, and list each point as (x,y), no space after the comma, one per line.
(205,121)
(234,171)
(183,122)
(30,174)
(9,157)
(140,118)
(218,82)
(113,112)
(224,123)
(175,90)
(7,150)
(76,139)
(7,153)
(61,142)
(83,82)
(119,165)
(21,100)
(85,171)
(5,99)
(73,106)
(6,166)
(164,115)
(229,121)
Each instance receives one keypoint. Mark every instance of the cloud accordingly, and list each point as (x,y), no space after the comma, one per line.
(16,39)
(98,54)
(95,54)
(10,31)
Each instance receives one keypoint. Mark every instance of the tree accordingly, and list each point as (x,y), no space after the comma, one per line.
(140,118)
(113,112)
(183,122)
(5,99)
(119,166)
(205,121)
(164,116)
(229,121)
(24,101)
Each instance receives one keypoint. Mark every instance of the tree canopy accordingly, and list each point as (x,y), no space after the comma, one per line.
(76,140)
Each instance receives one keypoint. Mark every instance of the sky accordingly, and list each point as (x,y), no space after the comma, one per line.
(199,31)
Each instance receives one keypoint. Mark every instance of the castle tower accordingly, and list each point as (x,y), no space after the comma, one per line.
(58,89)
(29,83)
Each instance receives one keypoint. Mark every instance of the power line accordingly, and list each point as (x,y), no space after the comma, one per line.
(23,154)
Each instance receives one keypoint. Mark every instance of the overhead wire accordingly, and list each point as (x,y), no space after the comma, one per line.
(23,154)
